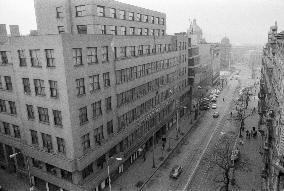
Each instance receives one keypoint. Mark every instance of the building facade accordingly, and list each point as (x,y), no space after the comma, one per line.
(271,110)
(72,98)
(225,53)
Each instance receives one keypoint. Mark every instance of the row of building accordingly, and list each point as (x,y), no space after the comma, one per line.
(271,110)
(97,80)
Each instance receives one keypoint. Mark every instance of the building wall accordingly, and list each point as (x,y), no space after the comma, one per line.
(48,23)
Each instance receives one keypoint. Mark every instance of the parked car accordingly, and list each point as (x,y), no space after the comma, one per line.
(214,106)
(204,107)
(215,114)
(214,100)
(175,172)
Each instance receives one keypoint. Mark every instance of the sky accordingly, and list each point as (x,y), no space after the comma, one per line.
(242,21)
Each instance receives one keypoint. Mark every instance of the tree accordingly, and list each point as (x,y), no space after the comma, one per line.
(219,160)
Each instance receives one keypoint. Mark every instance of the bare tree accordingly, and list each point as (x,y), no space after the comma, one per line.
(219,160)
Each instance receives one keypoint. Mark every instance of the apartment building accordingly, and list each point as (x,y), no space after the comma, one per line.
(271,109)
(72,101)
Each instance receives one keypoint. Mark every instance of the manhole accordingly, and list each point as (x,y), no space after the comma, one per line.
(139,184)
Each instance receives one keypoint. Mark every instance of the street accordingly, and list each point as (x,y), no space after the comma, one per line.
(190,154)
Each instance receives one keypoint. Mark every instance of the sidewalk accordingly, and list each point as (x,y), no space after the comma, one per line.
(140,171)
(251,180)
(11,182)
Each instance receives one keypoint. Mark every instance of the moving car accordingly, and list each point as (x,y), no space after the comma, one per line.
(215,114)
(175,172)
(214,106)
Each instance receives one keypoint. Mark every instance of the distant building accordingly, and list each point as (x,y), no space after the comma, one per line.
(225,54)
(97,80)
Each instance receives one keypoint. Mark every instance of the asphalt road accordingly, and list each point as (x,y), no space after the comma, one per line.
(189,155)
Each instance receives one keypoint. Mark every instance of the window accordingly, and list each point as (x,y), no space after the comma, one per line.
(49,55)
(123,52)
(131,31)
(147,49)
(106,79)
(152,20)
(82,29)
(108,104)
(162,21)
(157,20)
(53,88)
(151,32)
(66,175)
(131,16)
(34,54)
(98,134)
(80,87)
(13,110)
(102,29)
(101,11)
(59,12)
(43,114)
(61,29)
(113,30)
(132,50)
(112,13)
(94,83)
(22,57)
(122,14)
(140,49)
(97,109)
(87,171)
(30,112)
(77,56)
(92,56)
(4,57)
(85,141)
(52,170)
(57,117)
(83,115)
(138,17)
(34,137)
(17,133)
(140,31)
(6,127)
(26,84)
(8,82)
(39,87)
(123,30)
(162,32)
(105,54)
(109,127)
(60,145)
(80,10)
(146,31)
(47,142)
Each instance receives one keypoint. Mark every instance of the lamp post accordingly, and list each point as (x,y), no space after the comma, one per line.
(108,173)
(184,107)
(31,186)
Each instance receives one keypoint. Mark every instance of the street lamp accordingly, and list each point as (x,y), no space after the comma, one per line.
(184,107)
(116,158)
(31,186)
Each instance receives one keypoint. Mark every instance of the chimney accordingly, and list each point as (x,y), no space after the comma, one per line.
(3,34)
(14,30)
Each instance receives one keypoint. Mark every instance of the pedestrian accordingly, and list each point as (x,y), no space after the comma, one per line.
(223,99)
(144,156)
(231,114)
(163,146)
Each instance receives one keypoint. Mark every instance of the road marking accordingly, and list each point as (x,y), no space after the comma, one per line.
(198,162)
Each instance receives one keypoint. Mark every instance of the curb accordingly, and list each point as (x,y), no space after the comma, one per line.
(173,149)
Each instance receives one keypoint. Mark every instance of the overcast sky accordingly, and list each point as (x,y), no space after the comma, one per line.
(242,21)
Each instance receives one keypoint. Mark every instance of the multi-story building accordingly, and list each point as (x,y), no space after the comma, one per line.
(271,109)
(71,102)
(225,54)
(205,61)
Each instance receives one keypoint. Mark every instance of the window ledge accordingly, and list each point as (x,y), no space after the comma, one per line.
(78,65)
(36,66)
(93,63)
(39,95)
(81,95)
(51,67)
(59,126)
(95,91)
(43,122)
